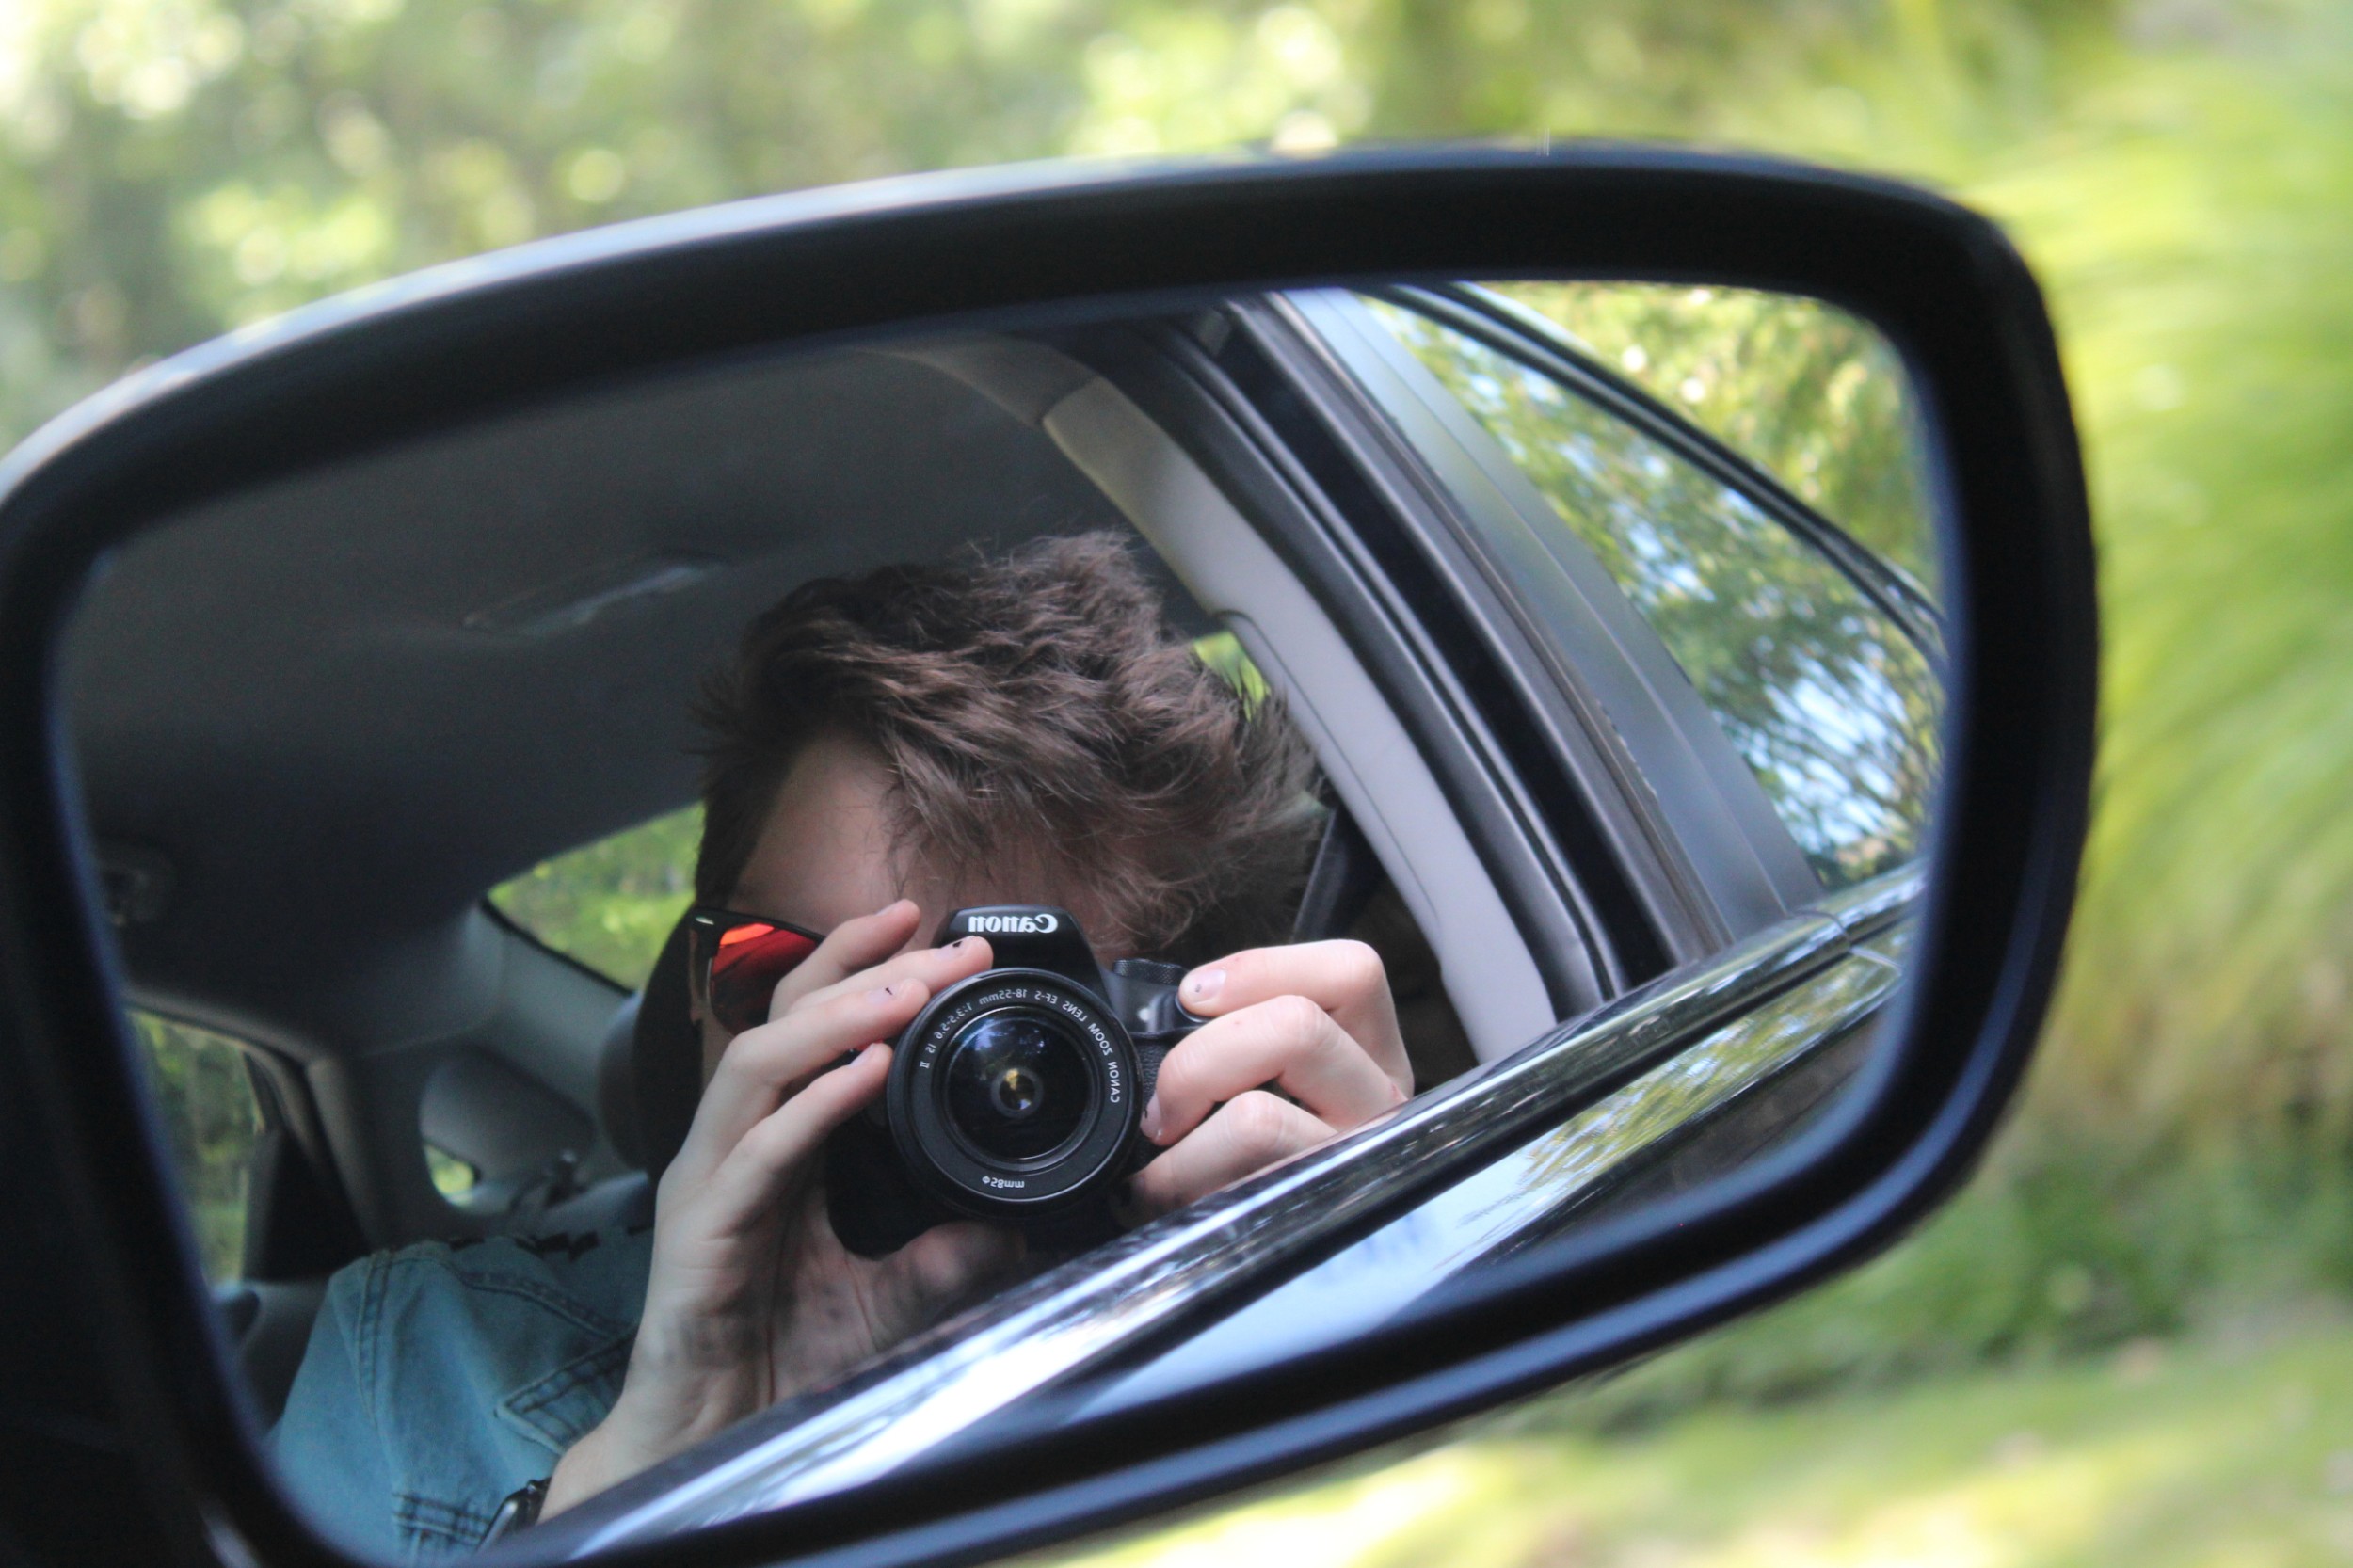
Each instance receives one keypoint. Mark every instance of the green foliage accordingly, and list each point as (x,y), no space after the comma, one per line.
(205,1100)
(1222,651)
(610,905)
(2188,1455)
(2075,1255)
(2206,996)
(172,167)
(1831,705)
(1809,393)
(452,1176)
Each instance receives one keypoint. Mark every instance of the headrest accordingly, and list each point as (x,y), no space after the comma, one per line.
(664,1060)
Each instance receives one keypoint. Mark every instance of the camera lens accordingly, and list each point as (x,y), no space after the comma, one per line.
(1017,1087)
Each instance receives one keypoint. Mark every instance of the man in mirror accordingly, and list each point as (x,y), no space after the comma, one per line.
(1027,729)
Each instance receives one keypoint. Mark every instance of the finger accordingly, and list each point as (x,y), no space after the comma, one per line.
(936,967)
(1246,1135)
(763,1067)
(1345,979)
(847,949)
(1286,1041)
(776,1155)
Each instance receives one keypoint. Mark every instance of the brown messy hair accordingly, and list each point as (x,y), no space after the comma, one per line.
(1035,709)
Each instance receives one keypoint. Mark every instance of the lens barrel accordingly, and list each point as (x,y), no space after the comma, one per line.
(1014,1092)
(1017,1087)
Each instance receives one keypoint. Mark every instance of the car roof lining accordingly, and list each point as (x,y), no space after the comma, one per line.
(331,712)
(335,709)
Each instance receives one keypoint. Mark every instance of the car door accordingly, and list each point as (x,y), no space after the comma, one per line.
(1731,706)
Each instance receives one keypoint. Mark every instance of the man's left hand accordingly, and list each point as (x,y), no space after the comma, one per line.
(1314,1021)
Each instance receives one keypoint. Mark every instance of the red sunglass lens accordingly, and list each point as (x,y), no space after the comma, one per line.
(748,962)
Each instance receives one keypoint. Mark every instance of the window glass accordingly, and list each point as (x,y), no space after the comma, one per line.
(453,1177)
(610,905)
(1812,395)
(1829,701)
(205,1099)
(1222,652)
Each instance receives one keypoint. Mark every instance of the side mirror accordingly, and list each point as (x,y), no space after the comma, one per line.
(1709,778)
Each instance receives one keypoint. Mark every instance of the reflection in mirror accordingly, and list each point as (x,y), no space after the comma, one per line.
(499,824)
(1817,672)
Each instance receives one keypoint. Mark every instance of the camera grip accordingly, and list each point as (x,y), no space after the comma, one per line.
(1149,1055)
(875,1205)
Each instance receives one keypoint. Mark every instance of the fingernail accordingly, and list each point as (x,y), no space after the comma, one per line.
(880,994)
(869,1050)
(1204,985)
(1150,1123)
(960,944)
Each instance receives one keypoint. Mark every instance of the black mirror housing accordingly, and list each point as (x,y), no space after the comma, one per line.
(126,1373)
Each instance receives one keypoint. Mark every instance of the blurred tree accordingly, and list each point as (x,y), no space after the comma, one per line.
(169,169)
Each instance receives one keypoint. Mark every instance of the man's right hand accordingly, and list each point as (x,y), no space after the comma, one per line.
(751,1299)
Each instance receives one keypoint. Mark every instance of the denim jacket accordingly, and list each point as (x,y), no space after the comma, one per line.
(441,1377)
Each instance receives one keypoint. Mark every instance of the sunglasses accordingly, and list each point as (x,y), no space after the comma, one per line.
(741,958)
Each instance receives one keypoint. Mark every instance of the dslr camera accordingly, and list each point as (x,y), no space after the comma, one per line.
(1014,1095)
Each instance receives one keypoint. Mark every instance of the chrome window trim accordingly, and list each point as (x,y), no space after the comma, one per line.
(1525,1196)
(1618,1079)
(1590,641)
(1867,910)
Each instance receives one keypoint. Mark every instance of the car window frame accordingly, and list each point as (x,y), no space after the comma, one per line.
(1175,378)
(1573,606)
(1520,333)
(1723,851)
(1491,321)
(1623,880)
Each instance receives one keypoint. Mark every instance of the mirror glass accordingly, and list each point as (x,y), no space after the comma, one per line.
(1246,768)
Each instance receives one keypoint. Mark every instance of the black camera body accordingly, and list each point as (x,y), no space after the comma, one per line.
(1014,1095)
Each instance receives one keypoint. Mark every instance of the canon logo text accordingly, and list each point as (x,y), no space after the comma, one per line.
(1014,925)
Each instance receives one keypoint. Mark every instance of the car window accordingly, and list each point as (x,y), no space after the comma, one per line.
(1831,705)
(205,1097)
(1810,395)
(609,905)
(453,1177)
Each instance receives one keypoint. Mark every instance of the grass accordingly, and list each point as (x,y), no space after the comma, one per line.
(2234,1446)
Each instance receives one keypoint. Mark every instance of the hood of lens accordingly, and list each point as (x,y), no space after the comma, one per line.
(1013,1093)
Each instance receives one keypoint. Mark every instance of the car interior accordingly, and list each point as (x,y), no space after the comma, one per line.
(316,723)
